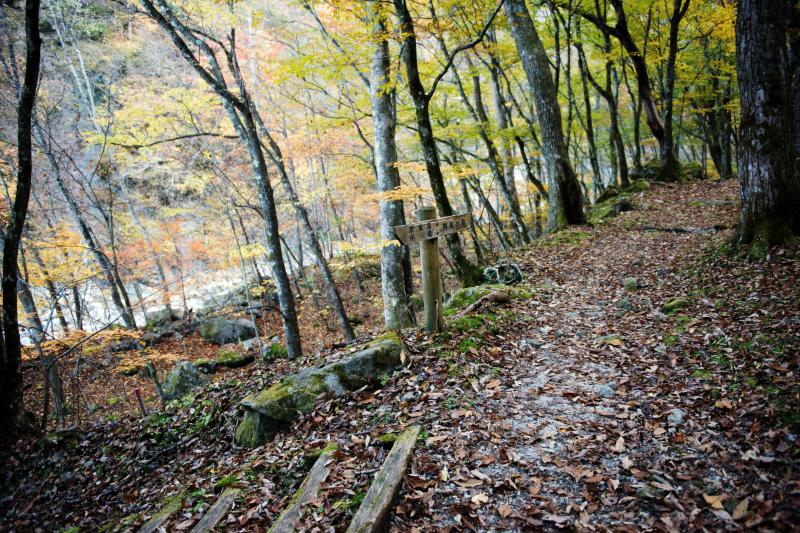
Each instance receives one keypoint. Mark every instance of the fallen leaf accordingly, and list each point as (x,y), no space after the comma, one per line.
(504,510)
(714,501)
(480,499)
(492,384)
(468,483)
(619,447)
(740,510)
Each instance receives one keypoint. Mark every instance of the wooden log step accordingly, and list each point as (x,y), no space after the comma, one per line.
(378,502)
(307,492)
(217,510)
(170,508)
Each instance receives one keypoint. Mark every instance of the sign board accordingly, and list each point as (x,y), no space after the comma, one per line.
(431,229)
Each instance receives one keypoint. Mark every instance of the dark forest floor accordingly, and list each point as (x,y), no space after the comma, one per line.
(588,405)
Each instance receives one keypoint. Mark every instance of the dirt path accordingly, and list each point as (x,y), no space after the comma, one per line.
(597,415)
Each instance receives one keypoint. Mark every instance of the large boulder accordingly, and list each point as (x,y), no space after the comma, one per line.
(180,381)
(273,409)
(223,331)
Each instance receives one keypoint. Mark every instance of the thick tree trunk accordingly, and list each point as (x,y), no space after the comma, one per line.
(12,414)
(566,202)
(793,31)
(396,313)
(770,188)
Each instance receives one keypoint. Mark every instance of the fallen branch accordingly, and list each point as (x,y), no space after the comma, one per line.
(495,297)
(699,231)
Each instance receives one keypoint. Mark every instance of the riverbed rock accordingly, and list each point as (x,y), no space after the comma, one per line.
(223,331)
(273,409)
(181,380)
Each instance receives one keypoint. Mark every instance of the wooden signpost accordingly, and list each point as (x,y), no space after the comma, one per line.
(426,231)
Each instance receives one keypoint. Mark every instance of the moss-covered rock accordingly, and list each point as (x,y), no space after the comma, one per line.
(640,185)
(467,296)
(205,365)
(675,305)
(273,409)
(223,331)
(232,359)
(630,283)
(610,208)
(181,380)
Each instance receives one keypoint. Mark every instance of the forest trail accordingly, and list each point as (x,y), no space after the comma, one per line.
(582,403)
(603,407)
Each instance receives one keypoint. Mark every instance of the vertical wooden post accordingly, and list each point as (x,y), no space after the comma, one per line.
(431,285)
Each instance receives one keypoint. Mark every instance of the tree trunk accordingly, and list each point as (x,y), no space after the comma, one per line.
(566,202)
(396,313)
(466,272)
(13,420)
(770,189)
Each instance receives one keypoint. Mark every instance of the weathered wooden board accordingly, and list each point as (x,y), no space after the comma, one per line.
(172,507)
(429,229)
(307,492)
(217,511)
(378,502)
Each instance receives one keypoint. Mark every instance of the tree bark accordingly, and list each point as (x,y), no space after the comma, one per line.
(12,414)
(566,202)
(466,272)
(770,189)
(396,313)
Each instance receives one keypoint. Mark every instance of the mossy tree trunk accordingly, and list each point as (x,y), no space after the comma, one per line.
(770,191)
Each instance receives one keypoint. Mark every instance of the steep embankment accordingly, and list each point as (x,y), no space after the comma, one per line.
(638,379)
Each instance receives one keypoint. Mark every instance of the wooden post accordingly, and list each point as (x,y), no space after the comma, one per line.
(426,231)
(431,284)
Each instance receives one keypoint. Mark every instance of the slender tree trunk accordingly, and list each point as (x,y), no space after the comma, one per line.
(396,313)
(88,236)
(311,236)
(51,289)
(566,202)
(466,272)
(670,166)
(770,188)
(12,413)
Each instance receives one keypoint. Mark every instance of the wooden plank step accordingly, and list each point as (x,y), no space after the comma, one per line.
(307,492)
(172,506)
(217,510)
(378,502)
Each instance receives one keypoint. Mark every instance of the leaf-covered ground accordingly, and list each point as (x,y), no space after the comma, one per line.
(643,379)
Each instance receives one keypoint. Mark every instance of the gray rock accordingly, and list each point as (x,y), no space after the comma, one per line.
(505,273)
(224,331)
(604,391)
(159,318)
(676,417)
(181,380)
(533,343)
(273,409)
(124,345)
